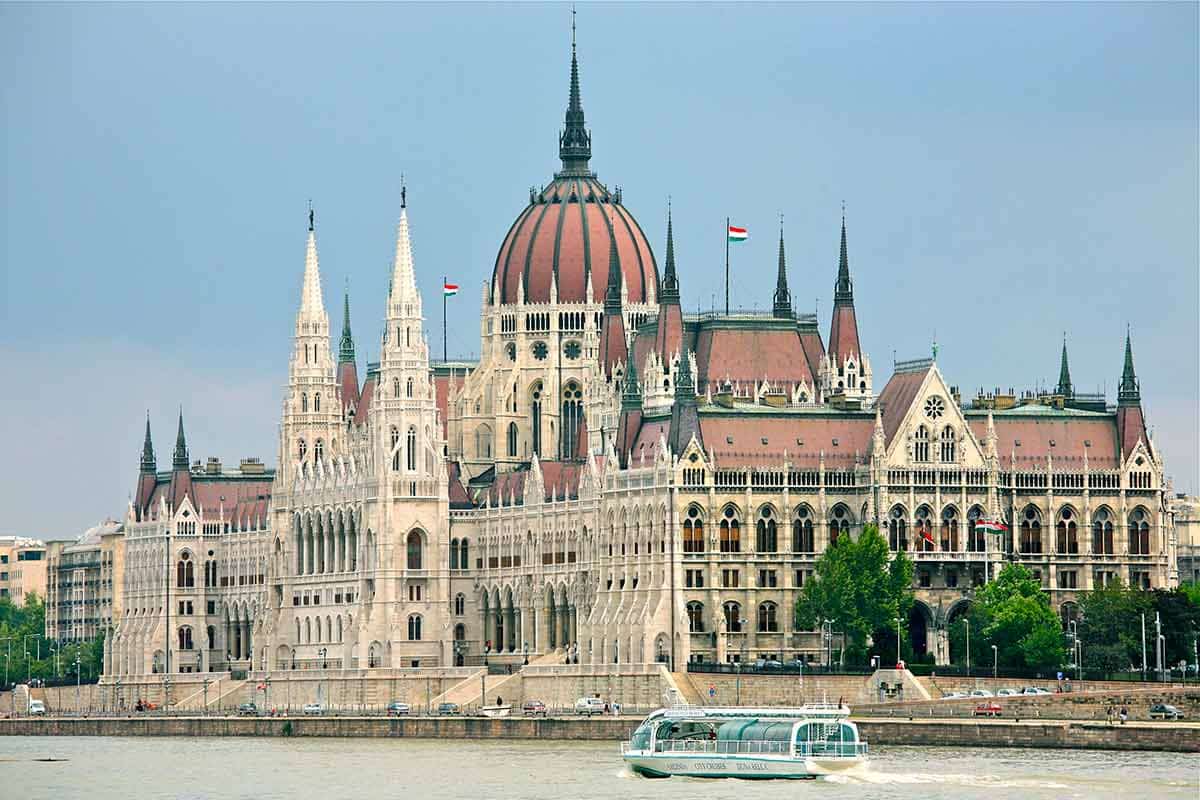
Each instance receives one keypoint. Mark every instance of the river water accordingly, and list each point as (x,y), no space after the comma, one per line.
(101,768)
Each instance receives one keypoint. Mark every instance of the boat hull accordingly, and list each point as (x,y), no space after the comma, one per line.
(708,765)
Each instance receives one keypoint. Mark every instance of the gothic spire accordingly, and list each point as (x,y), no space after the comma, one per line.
(844,289)
(783,298)
(403,287)
(670,282)
(1064,387)
(631,397)
(311,303)
(612,294)
(575,142)
(1130,391)
(347,347)
(180,461)
(149,463)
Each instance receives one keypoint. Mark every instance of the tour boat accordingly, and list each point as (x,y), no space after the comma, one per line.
(710,742)
(496,711)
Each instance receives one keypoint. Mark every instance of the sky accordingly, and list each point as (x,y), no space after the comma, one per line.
(1011,174)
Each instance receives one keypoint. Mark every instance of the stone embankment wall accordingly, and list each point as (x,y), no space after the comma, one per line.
(988,733)
(1073,706)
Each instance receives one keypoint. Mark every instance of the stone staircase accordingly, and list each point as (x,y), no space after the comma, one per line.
(466,692)
(687,689)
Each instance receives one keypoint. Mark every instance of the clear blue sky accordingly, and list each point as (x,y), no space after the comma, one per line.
(1011,172)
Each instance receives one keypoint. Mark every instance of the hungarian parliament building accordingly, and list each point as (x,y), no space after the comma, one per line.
(615,481)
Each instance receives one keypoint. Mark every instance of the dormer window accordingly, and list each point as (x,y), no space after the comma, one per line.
(728,440)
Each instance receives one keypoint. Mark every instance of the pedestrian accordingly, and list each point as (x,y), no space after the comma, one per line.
(1124,714)
(1108,715)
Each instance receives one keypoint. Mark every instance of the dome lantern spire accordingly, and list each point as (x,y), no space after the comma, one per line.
(575,142)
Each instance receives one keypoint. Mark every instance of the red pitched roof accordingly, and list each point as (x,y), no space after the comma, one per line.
(1035,431)
(348,380)
(1131,425)
(364,401)
(897,397)
(843,332)
(746,355)
(457,492)
(803,437)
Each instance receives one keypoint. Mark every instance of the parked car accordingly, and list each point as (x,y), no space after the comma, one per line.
(1164,711)
(1034,690)
(37,708)
(1007,693)
(987,710)
(314,709)
(247,710)
(446,709)
(589,706)
(981,693)
(534,708)
(767,664)
(955,696)
(397,709)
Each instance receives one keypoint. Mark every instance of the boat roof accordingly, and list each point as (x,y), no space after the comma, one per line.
(817,710)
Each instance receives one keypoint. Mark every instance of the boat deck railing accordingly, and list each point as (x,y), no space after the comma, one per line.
(819,749)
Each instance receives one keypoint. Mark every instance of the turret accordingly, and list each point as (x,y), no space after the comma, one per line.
(685,418)
(575,141)
(1131,422)
(782,307)
(668,336)
(1065,388)
(180,459)
(612,330)
(149,464)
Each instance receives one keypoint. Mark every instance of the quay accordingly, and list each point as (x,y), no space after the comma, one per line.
(1181,737)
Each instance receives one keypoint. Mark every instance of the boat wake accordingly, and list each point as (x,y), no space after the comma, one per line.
(867,776)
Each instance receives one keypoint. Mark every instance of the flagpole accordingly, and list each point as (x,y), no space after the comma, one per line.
(445,280)
(727,266)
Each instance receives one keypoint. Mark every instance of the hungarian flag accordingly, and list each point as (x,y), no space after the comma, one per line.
(449,289)
(737,234)
(926,535)
(991,526)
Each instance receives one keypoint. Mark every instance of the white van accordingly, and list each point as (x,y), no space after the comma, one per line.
(589,706)
(37,708)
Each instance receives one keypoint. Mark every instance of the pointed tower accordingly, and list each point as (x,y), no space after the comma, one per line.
(575,141)
(783,298)
(685,418)
(149,464)
(1131,423)
(347,368)
(846,370)
(312,412)
(630,421)
(409,428)
(180,459)
(147,476)
(612,330)
(1064,388)
(668,336)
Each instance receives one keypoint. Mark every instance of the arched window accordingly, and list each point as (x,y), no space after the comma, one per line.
(535,417)
(396,387)
(839,523)
(948,453)
(731,535)
(766,538)
(1031,531)
(462,555)
(950,529)
(319,450)
(483,441)
(512,440)
(317,401)
(414,550)
(339,629)
(803,540)
(185,638)
(301,450)
(897,529)
(766,618)
(454,554)
(460,604)
(185,572)
(1066,538)
(733,617)
(572,419)
(976,536)
(212,637)
(414,627)
(308,631)
(923,530)
(304,401)
(395,449)
(693,531)
(411,447)
(408,388)
(695,613)
(921,444)
(1102,532)
(1139,532)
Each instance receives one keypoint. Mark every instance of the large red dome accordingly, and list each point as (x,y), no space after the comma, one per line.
(565,234)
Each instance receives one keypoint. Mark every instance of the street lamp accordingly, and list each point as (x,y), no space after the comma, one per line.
(78,663)
(995,661)
(968,647)
(525,651)
(897,641)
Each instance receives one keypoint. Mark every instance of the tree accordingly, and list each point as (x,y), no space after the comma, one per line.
(859,587)
(1112,618)
(1014,614)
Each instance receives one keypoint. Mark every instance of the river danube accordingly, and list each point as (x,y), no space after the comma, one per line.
(295,769)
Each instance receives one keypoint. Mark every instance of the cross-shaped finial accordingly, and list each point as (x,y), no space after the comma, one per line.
(310,214)
(403,192)
(572,27)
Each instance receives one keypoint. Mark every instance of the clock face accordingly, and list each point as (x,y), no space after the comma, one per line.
(935,407)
